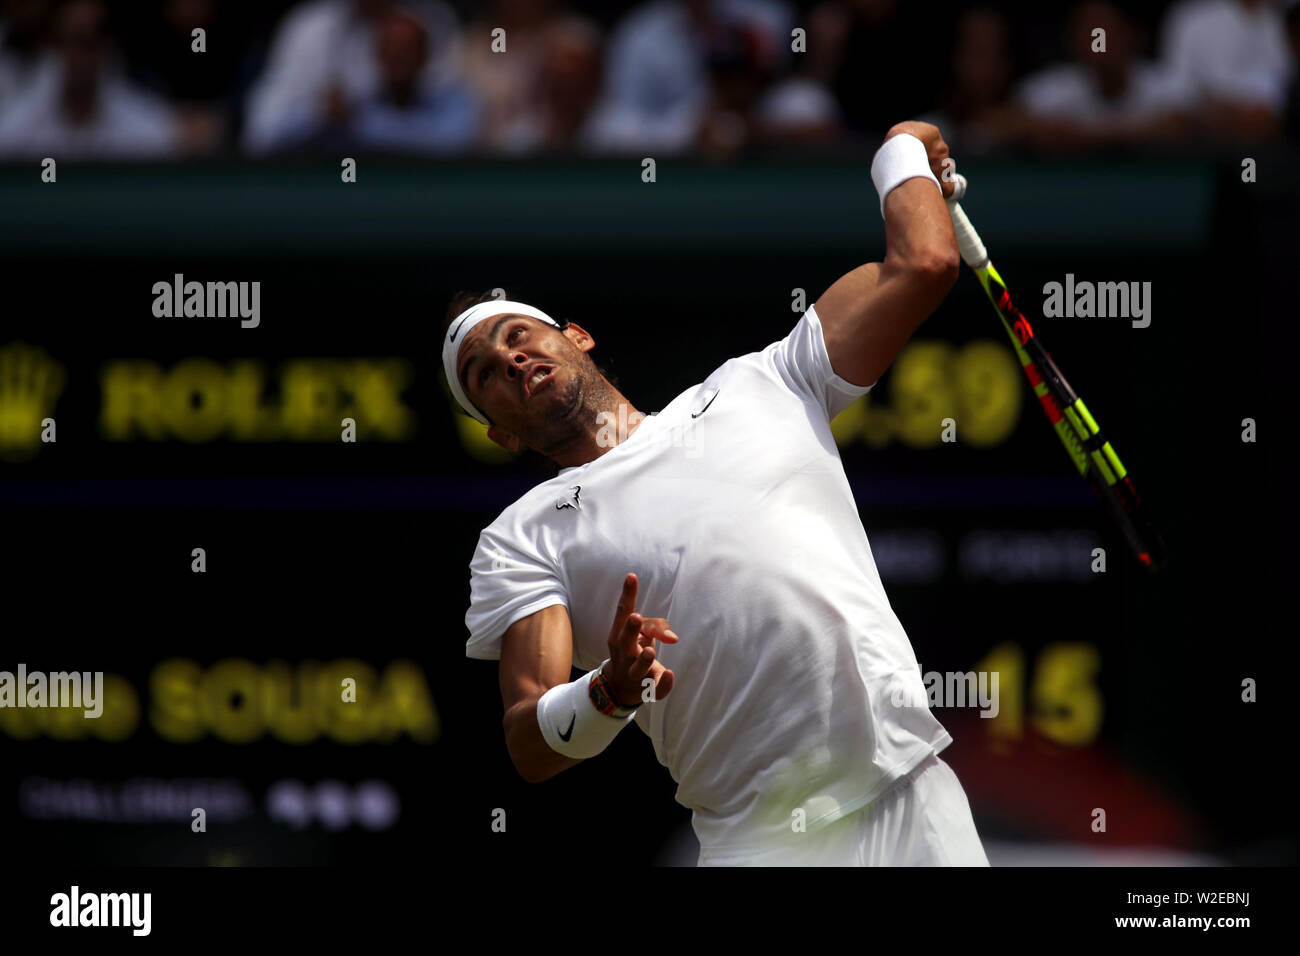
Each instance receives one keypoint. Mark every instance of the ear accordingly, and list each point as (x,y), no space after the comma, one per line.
(507,440)
(579,336)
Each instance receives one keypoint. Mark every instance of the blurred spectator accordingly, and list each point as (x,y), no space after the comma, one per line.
(976,113)
(1109,98)
(24,29)
(1233,55)
(403,115)
(83,108)
(800,108)
(887,62)
(324,61)
(738,69)
(715,77)
(826,25)
(558,112)
(1292,117)
(201,86)
(657,82)
(506,82)
(747,108)
(797,110)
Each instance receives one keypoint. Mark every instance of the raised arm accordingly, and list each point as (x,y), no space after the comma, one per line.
(547,736)
(868,314)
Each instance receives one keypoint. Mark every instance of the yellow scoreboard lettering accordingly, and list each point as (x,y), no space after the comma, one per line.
(978,385)
(174,714)
(118,721)
(238,701)
(193,400)
(230,701)
(132,395)
(989,393)
(285,703)
(199,400)
(1065,704)
(1007,660)
(405,705)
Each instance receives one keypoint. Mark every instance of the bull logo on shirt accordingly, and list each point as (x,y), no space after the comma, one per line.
(564,501)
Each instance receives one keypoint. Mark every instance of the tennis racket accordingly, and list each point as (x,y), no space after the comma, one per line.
(1093,456)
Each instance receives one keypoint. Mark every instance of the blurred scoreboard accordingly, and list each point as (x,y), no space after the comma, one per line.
(317,464)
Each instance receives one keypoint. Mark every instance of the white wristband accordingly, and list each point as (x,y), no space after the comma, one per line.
(570,722)
(903,157)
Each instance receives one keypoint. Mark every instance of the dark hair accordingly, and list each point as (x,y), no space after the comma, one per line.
(463,300)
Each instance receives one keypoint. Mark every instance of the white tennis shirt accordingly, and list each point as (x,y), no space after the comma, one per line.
(732,507)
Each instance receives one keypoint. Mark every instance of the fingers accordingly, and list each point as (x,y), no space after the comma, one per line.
(958,188)
(660,676)
(626,605)
(627,643)
(641,666)
(643,656)
(646,660)
(657,629)
(946,185)
(663,682)
(632,646)
(940,164)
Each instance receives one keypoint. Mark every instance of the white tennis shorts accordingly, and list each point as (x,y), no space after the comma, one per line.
(924,819)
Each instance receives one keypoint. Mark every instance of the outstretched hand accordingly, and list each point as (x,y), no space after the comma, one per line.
(632,656)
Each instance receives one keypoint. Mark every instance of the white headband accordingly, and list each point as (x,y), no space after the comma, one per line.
(459,329)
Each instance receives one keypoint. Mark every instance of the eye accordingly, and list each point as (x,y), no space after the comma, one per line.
(515,333)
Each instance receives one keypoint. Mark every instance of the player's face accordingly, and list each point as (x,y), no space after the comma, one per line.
(528,377)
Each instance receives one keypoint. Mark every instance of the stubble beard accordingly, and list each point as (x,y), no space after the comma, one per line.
(585,397)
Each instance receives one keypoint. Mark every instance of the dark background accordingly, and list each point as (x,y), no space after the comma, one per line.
(325,551)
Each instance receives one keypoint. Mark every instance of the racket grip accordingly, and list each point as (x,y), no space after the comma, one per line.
(969,245)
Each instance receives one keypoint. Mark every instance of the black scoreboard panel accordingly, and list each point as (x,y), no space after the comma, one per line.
(331,561)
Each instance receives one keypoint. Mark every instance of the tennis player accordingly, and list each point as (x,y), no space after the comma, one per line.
(705,567)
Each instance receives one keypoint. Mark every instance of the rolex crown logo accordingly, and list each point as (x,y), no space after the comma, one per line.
(30,385)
